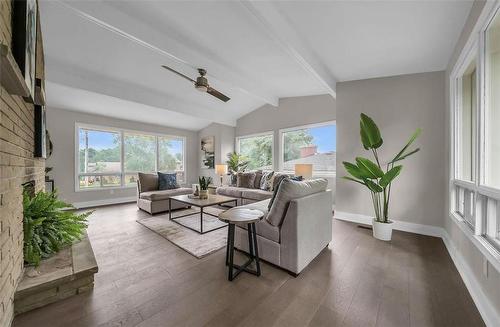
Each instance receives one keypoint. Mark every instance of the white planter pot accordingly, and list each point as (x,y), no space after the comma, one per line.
(382,231)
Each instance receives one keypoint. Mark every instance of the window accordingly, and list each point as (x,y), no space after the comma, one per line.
(111,158)
(467,122)
(492,115)
(312,144)
(99,158)
(475,90)
(257,149)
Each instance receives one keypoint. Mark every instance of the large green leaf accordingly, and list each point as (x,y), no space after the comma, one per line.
(370,134)
(374,187)
(369,167)
(355,171)
(410,141)
(353,180)
(390,175)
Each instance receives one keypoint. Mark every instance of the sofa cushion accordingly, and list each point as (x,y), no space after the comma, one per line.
(275,191)
(164,194)
(233,191)
(245,179)
(263,227)
(266,182)
(277,177)
(167,181)
(148,182)
(256,194)
(290,190)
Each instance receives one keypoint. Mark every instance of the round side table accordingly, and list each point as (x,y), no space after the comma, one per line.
(242,216)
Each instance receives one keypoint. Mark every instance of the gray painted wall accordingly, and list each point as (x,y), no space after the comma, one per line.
(61,125)
(291,112)
(398,105)
(473,258)
(224,144)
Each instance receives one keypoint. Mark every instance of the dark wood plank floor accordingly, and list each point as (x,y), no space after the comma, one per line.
(144,280)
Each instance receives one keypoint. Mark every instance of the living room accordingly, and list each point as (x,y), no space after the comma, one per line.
(249,163)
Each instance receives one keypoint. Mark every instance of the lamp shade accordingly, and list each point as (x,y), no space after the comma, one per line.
(304,170)
(221,169)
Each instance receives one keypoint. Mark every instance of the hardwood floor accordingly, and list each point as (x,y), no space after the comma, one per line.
(144,280)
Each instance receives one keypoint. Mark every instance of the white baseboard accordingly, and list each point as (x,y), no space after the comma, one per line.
(487,310)
(398,225)
(104,202)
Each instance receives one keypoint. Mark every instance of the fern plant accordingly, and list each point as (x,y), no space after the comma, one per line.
(47,227)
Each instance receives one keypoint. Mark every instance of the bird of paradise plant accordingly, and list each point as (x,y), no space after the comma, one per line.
(377,177)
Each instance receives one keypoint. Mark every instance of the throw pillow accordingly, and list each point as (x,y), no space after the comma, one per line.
(278,177)
(167,181)
(245,180)
(294,178)
(258,177)
(266,182)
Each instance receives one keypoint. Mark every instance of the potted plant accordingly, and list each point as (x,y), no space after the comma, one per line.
(376,176)
(235,163)
(204,182)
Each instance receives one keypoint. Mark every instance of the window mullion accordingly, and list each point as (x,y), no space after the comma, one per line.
(157,163)
(122,158)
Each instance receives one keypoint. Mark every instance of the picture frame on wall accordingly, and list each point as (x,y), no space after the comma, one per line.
(24,36)
(40,133)
(207,152)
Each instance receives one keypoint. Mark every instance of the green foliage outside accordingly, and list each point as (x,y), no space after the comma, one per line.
(376,178)
(258,151)
(293,141)
(48,228)
(140,154)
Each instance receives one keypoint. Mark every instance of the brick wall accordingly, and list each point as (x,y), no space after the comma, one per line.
(17,165)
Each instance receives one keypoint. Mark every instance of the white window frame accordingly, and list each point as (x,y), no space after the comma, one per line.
(475,46)
(122,173)
(281,163)
(268,133)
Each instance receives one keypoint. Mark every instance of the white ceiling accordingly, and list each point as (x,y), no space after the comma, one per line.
(104,57)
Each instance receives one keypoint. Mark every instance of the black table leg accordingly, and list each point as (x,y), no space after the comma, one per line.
(227,244)
(201,220)
(256,248)
(169,209)
(231,251)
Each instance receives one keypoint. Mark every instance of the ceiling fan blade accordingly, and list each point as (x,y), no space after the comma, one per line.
(180,74)
(217,94)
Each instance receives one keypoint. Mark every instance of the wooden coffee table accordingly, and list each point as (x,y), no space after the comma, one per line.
(213,200)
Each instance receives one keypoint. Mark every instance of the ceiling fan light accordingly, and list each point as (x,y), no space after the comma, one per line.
(201,88)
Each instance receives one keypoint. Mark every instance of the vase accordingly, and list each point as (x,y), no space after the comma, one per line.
(203,194)
(382,231)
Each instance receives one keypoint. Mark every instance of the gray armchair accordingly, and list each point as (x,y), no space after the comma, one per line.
(293,240)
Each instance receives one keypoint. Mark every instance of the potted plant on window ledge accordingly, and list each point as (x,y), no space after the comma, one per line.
(377,177)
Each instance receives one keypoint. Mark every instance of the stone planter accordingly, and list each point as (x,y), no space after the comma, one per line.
(69,272)
(382,231)
(203,194)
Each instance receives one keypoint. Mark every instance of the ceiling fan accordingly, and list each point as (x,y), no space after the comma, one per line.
(201,83)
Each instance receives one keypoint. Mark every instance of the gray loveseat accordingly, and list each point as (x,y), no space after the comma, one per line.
(152,200)
(296,228)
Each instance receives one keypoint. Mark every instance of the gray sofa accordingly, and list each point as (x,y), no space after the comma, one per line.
(296,228)
(152,200)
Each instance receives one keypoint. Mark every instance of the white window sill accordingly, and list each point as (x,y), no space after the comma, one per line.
(490,252)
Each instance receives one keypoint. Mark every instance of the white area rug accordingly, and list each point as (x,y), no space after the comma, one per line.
(188,240)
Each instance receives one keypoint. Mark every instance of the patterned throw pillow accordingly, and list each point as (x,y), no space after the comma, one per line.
(167,181)
(266,182)
(245,180)
(278,177)
(277,187)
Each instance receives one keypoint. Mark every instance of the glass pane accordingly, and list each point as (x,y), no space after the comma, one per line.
(258,151)
(316,146)
(492,120)
(140,153)
(468,124)
(170,154)
(89,182)
(130,179)
(110,181)
(99,152)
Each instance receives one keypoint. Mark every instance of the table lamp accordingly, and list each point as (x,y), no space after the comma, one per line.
(221,170)
(304,170)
